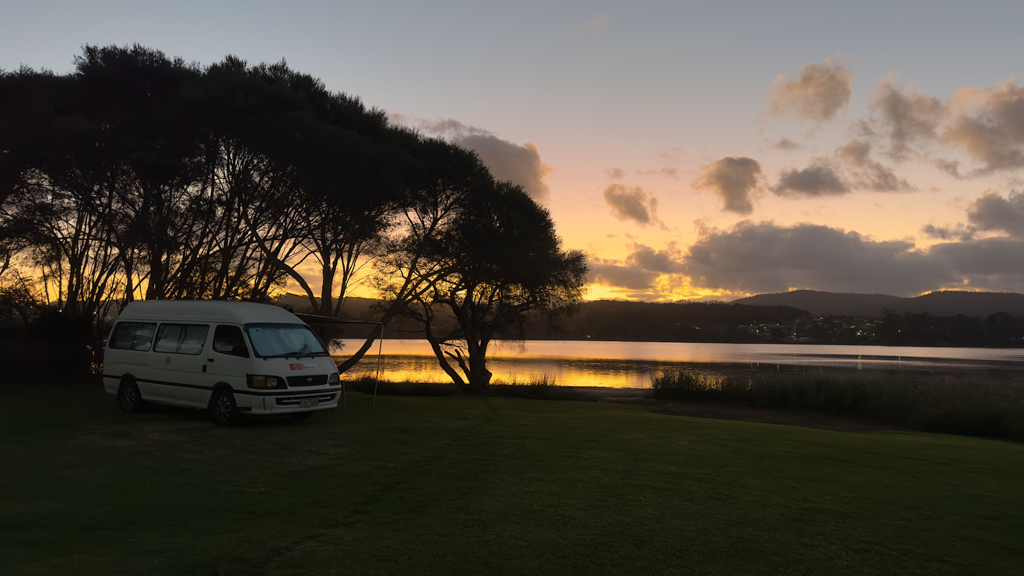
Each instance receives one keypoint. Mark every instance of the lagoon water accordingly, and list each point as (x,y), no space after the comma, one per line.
(633,364)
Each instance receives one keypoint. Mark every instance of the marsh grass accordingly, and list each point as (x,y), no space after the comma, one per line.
(954,407)
(543,388)
(407,388)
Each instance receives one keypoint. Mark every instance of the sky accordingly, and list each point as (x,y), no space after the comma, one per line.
(693,150)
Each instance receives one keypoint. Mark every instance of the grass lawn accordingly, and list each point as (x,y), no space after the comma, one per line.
(465,485)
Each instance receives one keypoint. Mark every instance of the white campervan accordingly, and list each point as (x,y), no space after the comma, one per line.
(229,358)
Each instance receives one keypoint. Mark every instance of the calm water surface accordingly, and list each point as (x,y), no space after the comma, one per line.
(633,364)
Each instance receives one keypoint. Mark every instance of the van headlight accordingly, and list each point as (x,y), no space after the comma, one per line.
(262,381)
(333,379)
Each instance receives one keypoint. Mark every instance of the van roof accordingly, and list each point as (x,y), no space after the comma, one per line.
(207,311)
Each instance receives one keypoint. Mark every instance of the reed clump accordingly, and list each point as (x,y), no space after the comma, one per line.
(954,407)
(368,385)
(543,388)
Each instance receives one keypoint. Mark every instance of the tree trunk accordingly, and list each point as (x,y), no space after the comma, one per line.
(479,375)
(435,345)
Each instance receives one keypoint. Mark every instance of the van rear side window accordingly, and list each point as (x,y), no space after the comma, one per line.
(132,336)
(181,338)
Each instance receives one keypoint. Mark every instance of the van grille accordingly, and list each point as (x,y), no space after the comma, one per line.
(324,398)
(317,380)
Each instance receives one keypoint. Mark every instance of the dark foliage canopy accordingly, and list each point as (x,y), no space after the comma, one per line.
(142,176)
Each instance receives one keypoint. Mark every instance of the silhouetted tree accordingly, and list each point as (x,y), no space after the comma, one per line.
(443,181)
(499,260)
(143,176)
(329,173)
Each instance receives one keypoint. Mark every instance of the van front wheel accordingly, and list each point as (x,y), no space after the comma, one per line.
(129,397)
(223,409)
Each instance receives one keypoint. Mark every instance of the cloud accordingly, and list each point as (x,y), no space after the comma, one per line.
(818,179)
(821,91)
(990,263)
(989,125)
(632,203)
(629,277)
(675,155)
(906,117)
(641,269)
(613,273)
(950,167)
(855,152)
(734,180)
(506,160)
(764,257)
(852,168)
(785,144)
(993,213)
(596,24)
(870,174)
(664,172)
(647,258)
(958,232)
(615,173)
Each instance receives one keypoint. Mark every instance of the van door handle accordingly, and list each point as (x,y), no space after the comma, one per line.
(209,359)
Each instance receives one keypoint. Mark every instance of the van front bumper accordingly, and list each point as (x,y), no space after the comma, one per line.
(287,402)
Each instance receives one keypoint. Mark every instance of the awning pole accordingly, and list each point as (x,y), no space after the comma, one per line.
(380,350)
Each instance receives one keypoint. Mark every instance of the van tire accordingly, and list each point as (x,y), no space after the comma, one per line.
(128,396)
(222,408)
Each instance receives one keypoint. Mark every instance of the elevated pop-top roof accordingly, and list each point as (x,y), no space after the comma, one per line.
(206,311)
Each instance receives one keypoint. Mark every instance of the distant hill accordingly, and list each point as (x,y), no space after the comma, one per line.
(765,317)
(951,303)
(942,303)
(598,320)
(834,303)
(661,322)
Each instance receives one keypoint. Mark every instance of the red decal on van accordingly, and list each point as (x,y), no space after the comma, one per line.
(295,366)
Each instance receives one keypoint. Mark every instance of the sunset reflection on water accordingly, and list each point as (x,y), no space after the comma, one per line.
(564,372)
(634,364)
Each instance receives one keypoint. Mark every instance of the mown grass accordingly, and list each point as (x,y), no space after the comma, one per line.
(954,407)
(494,485)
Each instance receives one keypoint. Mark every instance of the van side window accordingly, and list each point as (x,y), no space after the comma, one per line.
(181,338)
(132,335)
(229,340)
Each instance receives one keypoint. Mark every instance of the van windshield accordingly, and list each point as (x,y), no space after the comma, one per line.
(283,340)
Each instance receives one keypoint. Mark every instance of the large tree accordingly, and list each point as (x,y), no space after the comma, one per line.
(63,170)
(337,173)
(497,261)
(142,176)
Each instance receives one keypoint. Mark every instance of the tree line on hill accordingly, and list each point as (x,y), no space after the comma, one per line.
(141,177)
(939,303)
(729,322)
(603,320)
